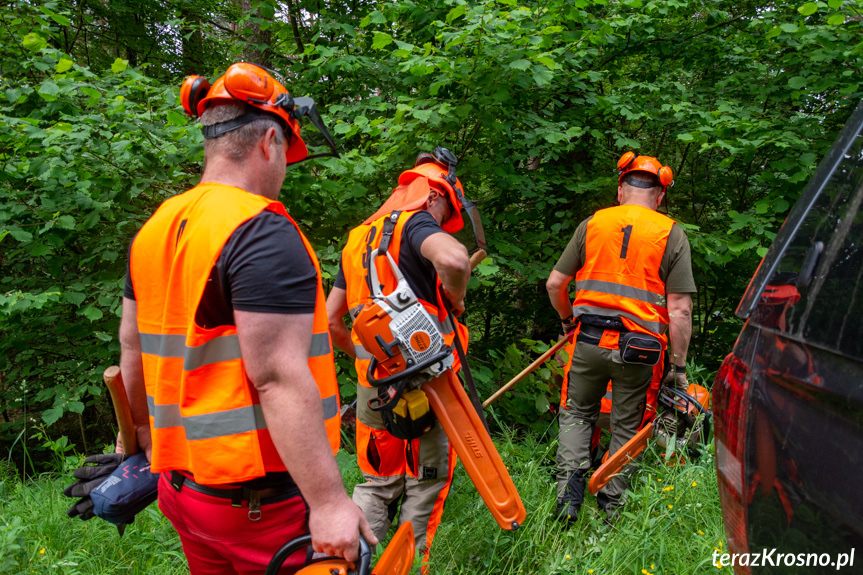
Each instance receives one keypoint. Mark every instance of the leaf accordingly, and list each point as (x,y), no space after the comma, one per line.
(547,62)
(685,137)
(520,64)
(342,128)
(835,4)
(456,12)
(836,19)
(76,407)
(92,92)
(176,119)
(381,40)
(788,27)
(64,65)
(34,42)
(21,235)
(74,297)
(542,76)
(267,11)
(797,82)
(91,313)
(808,8)
(49,90)
(119,65)
(422,115)
(50,416)
(66,222)
(775,31)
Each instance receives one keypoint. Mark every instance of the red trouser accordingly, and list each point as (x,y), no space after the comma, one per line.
(219,539)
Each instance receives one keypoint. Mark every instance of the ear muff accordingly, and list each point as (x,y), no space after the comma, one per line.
(666,176)
(193,90)
(625,160)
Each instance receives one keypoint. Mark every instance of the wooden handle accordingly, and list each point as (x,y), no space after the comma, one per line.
(526,371)
(114,380)
(476,258)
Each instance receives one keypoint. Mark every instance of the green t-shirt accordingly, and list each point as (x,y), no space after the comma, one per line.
(675,269)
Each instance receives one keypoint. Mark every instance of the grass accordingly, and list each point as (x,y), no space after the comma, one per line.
(671,526)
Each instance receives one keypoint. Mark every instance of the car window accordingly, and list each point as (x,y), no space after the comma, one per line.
(842,158)
(815,292)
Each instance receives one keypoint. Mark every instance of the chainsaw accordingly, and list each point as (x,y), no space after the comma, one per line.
(673,427)
(418,385)
(397,558)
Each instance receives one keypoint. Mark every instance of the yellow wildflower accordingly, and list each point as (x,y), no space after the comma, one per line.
(669,488)
(590,570)
(42,551)
(567,556)
(695,484)
(659,479)
(670,506)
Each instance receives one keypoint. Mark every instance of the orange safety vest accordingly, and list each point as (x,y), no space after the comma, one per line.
(620,277)
(205,416)
(361,241)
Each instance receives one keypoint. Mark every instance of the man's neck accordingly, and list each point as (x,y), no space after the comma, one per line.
(645,202)
(236,174)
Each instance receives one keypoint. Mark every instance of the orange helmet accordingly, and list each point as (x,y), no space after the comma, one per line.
(255,86)
(429,168)
(629,162)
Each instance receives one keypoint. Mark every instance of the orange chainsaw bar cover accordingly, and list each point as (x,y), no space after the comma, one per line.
(398,557)
(630,450)
(474,447)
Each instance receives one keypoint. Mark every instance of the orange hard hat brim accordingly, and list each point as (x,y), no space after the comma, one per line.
(406,197)
(434,173)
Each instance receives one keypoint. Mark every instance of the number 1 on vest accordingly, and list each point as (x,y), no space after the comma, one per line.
(627,231)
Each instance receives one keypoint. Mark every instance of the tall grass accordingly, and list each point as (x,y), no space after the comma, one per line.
(671,526)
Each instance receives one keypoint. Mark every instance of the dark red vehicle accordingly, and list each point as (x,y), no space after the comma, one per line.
(788,401)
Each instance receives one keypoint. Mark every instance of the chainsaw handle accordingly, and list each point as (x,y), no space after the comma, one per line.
(363,566)
(408,372)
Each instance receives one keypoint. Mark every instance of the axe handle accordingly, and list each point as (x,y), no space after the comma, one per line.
(526,371)
(114,380)
(476,258)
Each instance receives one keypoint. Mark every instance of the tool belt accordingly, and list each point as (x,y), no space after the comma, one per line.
(254,493)
(635,348)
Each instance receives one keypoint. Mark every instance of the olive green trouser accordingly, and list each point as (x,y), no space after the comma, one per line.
(592,368)
(421,499)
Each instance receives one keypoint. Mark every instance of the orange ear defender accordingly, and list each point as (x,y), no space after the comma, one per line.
(629,162)
(194,90)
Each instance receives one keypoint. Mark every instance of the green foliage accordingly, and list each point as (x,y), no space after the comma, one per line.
(538,99)
(36,534)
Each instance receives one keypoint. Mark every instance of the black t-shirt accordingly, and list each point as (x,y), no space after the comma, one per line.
(264,267)
(419,271)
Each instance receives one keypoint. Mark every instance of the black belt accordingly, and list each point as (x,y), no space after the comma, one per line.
(590,334)
(254,497)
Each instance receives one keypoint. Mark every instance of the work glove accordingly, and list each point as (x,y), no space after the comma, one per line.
(676,377)
(89,478)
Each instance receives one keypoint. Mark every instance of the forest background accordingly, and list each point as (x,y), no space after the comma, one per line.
(538,99)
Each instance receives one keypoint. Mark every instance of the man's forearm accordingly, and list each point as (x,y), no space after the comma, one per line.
(680,327)
(558,293)
(132,369)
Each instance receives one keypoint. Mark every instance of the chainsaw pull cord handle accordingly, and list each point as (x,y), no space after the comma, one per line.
(363,565)
(462,356)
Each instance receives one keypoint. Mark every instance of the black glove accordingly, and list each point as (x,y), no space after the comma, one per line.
(89,478)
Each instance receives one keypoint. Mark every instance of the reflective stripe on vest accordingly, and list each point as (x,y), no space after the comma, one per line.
(620,276)
(205,415)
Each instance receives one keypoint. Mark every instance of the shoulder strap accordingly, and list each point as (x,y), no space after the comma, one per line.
(387,232)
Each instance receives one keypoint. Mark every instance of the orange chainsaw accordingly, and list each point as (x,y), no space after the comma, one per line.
(414,362)
(674,426)
(397,558)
